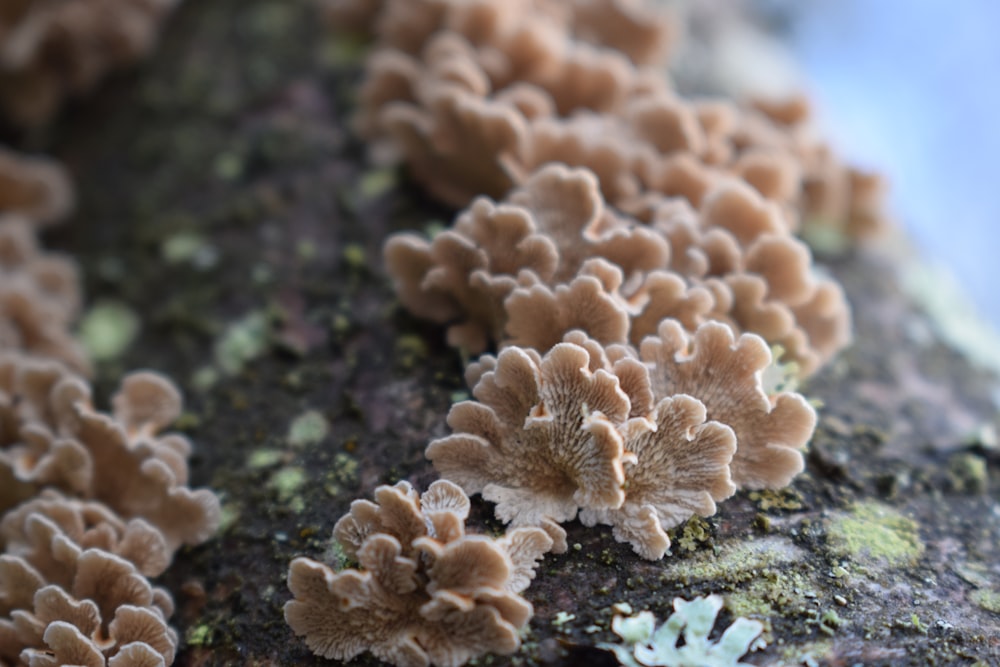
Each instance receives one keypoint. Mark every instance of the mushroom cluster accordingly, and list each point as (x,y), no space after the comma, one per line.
(426,592)
(476,95)
(628,253)
(92,504)
(53,50)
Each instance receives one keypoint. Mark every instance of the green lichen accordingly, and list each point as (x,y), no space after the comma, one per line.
(987,598)
(229,515)
(199,635)
(264,458)
(410,350)
(189,248)
(242,342)
(309,428)
(343,472)
(780,376)
(953,315)
(735,561)
(874,534)
(771,591)
(694,532)
(287,483)
(967,473)
(785,499)
(108,329)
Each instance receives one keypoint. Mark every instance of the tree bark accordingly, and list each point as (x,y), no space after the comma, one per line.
(226,203)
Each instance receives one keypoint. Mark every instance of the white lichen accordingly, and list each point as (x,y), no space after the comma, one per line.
(645,645)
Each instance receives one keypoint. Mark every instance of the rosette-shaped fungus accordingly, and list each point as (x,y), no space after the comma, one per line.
(476,95)
(57,439)
(427,593)
(39,297)
(33,187)
(86,607)
(725,374)
(679,469)
(545,438)
(50,50)
(543,234)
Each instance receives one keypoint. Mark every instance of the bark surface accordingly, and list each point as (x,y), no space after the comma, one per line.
(226,204)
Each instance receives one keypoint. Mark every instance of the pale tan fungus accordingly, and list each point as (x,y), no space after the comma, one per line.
(539,317)
(88,525)
(681,470)
(54,50)
(542,441)
(39,297)
(725,375)
(632,27)
(33,187)
(567,207)
(136,471)
(456,145)
(98,596)
(544,234)
(427,593)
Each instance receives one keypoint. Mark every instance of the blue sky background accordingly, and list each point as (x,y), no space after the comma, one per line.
(912,87)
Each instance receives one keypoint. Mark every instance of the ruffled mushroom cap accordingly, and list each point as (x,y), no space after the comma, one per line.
(105,606)
(742,212)
(54,437)
(33,187)
(630,27)
(457,144)
(539,317)
(52,50)
(681,469)
(543,441)
(544,233)
(725,375)
(135,471)
(29,454)
(39,297)
(426,594)
(88,525)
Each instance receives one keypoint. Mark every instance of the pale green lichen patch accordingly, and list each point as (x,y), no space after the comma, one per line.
(783,499)
(264,458)
(199,635)
(695,532)
(287,483)
(967,473)
(987,598)
(774,590)
(810,654)
(229,515)
(343,472)
(410,350)
(242,342)
(309,428)
(108,328)
(735,561)
(189,248)
(873,534)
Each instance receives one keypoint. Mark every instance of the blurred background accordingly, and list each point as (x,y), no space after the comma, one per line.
(911,87)
(908,87)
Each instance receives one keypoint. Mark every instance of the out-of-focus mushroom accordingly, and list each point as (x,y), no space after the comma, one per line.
(33,187)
